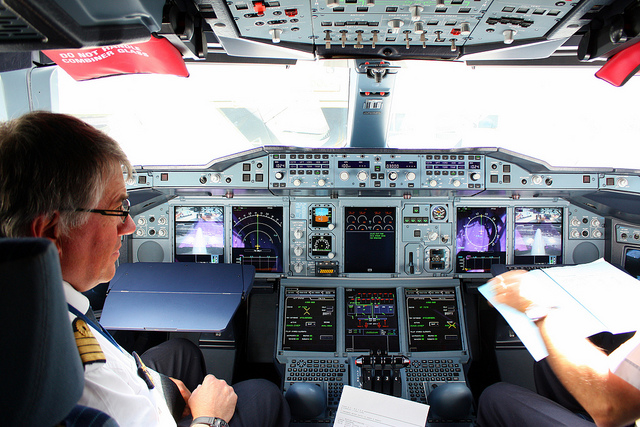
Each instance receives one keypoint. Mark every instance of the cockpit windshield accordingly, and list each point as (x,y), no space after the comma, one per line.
(563,116)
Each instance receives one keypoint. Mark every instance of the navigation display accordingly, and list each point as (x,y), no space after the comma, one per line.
(538,236)
(433,321)
(371,320)
(482,238)
(370,240)
(257,237)
(310,320)
(199,234)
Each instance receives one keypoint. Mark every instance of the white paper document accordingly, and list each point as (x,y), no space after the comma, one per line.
(363,408)
(595,297)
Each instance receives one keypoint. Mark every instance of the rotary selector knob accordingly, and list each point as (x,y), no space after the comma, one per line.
(331,226)
(344,175)
(433,183)
(411,176)
(298,251)
(322,182)
(162,232)
(140,232)
(456,183)
(575,234)
(298,234)
(279,175)
(432,236)
(298,267)
(331,255)
(595,222)
(395,25)
(297,182)
(362,176)
(536,179)
(575,222)
(475,176)
(142,221)
(623,182)
(162,220)
(597,234)
(393,175)
(216,178)
(275,35)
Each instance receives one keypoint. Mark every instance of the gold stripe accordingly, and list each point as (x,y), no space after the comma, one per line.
(88,346)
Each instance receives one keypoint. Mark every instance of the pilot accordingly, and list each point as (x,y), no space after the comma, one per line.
(580,366)
(63,180)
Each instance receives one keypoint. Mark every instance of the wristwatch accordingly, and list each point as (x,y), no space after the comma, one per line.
(209,421)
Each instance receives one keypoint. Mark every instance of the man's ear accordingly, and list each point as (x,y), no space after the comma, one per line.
(47,226)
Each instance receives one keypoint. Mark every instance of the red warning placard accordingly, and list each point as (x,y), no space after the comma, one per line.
(156,56)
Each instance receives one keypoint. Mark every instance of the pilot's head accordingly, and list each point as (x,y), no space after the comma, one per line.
(51,166)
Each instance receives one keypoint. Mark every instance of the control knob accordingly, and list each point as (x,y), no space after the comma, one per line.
(456,183)
(362,176)
(297,182)
(575,222)
(537,179)
(433,183)
(597,234)
(331,255)
(298,234)
(595,222)
(395,25)
(432,236)
(275,35)
(298,267)
(331,226)
(475,176)
(575,234)
(216,178)
(298,251)
(344,175)
(322,182)
(393,175)
(279,175)
(162,232)
(411,176)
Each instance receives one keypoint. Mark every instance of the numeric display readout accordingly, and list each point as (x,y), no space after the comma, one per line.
(310,320)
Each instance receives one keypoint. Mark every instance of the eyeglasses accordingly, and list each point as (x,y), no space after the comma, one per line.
(123,212)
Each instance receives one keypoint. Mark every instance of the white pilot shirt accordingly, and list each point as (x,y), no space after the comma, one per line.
(114,387)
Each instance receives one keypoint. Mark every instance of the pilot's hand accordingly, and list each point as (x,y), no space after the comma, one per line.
(186,395)
(506,288)
(213,398)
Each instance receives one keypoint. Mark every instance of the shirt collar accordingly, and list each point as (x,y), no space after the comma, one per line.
(75,298)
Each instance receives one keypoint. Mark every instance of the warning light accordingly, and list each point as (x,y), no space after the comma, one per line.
(455,31)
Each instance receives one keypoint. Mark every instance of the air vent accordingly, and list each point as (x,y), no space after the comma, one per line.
(13,28)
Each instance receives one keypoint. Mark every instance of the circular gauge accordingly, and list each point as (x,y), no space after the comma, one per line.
(320,245)
(377,227)
(438,213)
(481,231)
(257,237)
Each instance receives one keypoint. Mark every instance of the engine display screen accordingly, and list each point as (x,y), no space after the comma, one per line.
(538,236)
(257,237)
(199,234)
(433,320)
(310,320)
(481,240)
(371,320)
(370,240)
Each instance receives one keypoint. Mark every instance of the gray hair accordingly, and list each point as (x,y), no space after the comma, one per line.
(52,163)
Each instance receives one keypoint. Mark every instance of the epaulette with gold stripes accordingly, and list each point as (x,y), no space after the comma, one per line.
(88,347)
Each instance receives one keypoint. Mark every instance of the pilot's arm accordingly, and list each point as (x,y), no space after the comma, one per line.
(582,367)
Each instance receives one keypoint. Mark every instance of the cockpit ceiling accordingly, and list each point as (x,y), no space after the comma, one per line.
(304,29)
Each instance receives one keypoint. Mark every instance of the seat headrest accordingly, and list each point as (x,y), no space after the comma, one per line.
(42,375)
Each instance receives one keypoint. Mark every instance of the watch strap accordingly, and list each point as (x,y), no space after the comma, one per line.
(209,421)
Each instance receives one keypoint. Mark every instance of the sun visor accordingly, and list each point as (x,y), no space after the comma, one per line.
(156,56)
(621,66)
